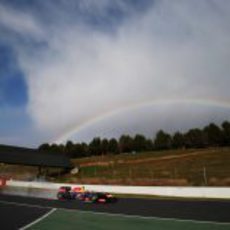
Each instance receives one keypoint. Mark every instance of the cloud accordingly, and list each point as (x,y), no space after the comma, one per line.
(85,66)
(19,22)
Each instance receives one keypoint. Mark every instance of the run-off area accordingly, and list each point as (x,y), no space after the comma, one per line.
(61,219)
(18,216)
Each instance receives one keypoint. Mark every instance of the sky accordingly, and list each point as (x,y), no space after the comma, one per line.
(78,69)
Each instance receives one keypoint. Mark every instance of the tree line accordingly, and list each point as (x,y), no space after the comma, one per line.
(211,135)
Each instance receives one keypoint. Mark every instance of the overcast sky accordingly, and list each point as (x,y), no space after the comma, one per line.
(79,69)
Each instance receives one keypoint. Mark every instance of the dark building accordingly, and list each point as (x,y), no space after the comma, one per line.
(32,157)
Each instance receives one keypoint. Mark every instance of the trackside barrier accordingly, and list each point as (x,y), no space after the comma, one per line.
(193,192)
(2,182)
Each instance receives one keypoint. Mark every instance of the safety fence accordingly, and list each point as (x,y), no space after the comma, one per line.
(47,189)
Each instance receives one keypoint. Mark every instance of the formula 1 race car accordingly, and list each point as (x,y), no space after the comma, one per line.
(78,193)
(97,197)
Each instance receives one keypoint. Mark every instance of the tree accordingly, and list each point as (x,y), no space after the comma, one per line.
(69,149)
(77,151)
(85,149)
(162,141)
(54,148)
(226,133)
(178,140)
(213,134)
(195,138)
(149,145)
(104,146)
(113,146)
(126,144)
(95,146)
(139,143)
(44,147)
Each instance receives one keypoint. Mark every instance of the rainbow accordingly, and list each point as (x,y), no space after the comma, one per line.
(116,111)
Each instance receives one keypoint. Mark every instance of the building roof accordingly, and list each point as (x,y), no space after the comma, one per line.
(32,157)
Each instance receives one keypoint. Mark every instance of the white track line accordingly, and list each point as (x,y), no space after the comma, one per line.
(118,214)
(25,205)
(39,219)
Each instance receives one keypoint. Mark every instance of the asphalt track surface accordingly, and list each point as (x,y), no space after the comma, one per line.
(13,216)
(17,211)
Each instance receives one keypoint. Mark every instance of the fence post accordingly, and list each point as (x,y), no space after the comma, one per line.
(205,176)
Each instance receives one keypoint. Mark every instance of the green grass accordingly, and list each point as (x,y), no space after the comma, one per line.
(68,220)
(130,156)
(175,167)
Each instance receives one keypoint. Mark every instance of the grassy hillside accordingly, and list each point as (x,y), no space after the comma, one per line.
(195,167)
(179,167)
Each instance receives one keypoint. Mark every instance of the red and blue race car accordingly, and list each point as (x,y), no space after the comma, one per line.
(79,193)
(97,197)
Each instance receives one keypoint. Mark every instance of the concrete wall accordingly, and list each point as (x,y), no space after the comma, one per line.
(193,192)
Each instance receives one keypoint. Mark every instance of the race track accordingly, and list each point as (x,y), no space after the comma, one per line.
(15,216)
(25,209)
